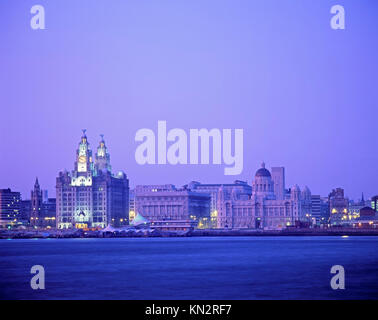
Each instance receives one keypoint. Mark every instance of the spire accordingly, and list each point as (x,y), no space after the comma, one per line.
(36,184)
(263,164)
(84,136)
(102,158)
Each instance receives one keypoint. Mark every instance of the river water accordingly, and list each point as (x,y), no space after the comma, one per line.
(190,268)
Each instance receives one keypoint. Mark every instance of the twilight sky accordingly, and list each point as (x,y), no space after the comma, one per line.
(306,95)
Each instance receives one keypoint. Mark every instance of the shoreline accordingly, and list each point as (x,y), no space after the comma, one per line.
(47,234)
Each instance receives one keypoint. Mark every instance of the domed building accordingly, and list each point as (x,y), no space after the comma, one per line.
(262,185)
(269,205)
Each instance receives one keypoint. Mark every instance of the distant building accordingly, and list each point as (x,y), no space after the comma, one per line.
(339,206)
(242,188)
(42,208)
(165,202)
(368,219)
(269,206)
(132,209)
(354,208)
(10,208)
(36,214)
(278,178)
(25,211)
(320,209)
(49,213)
(91,195)
(316,208)
(325,213)
(374,203)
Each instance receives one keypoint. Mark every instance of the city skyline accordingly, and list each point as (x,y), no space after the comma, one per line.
(250,182)
(304,96)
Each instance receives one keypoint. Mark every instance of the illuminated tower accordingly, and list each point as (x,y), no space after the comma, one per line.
(91,196)
(102,158)
(84,163)
(36,204)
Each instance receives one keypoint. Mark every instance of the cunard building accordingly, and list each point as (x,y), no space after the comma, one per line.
(91,195)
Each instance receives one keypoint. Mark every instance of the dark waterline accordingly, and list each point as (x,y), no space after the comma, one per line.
(190,268)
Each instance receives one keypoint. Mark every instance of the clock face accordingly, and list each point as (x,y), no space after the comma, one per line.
(82,159)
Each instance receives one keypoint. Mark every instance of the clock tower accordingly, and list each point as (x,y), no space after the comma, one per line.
(83,169)
(83,162)
(91,196)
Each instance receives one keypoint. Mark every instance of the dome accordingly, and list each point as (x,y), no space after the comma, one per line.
(262,172)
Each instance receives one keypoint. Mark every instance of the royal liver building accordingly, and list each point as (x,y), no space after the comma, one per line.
(90,195)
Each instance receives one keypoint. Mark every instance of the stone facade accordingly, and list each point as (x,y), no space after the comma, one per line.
(270,205)
(91,196)
(165,202)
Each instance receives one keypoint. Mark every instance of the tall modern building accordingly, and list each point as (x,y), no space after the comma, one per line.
(132,213)
(278,178)
(10,207)
(320,209)
(91,195)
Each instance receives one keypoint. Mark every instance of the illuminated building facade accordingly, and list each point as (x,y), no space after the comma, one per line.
(338,206)
(132,210)
(320,209)
(36,215)
(270,205)
(91,196)
(374,203)
(165,202)
(242,188)
(10,207)
(265,204)
(42,212)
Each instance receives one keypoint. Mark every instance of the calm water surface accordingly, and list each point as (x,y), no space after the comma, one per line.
(190,268)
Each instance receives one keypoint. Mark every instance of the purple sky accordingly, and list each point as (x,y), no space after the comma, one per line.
(305,95)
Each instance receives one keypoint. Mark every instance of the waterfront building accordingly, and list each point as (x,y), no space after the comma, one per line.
(242,187)
(316,204)
(319,209)
(49,213)
(368,218)
(10,208)
(36,214)
(354,208)
(25,211)
(278,178)
(270,205)
(374,203)
(338,206)
(174,225)
(306,207)
(132,213)
(166,202)
(91,195)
